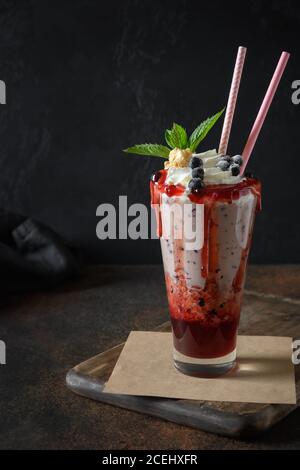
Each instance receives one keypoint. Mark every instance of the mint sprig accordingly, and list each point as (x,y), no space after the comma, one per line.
(177,138)
(202,130)
(153,150)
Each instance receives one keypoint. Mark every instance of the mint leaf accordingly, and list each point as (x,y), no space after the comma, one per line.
(176,137)
(154,150)
(202,130)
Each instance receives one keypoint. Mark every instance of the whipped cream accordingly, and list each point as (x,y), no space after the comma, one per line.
(212,174)
(179,175)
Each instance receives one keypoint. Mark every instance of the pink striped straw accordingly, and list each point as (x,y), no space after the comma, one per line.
(233,94)
(264,109)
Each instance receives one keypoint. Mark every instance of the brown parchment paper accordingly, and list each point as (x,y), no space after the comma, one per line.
(265,372)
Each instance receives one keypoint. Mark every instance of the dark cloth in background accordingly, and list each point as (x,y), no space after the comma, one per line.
(32,256)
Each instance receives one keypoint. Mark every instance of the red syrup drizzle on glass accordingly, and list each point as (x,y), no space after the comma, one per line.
(204,325)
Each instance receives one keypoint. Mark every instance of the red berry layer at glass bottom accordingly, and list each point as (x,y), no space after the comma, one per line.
(204,324)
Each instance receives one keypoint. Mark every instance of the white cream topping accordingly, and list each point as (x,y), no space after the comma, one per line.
(212,174)
(179,175)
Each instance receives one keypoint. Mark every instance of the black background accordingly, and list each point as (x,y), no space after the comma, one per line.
(88,78)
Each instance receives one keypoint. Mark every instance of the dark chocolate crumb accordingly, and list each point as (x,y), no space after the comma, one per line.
(221,305)
(218,270)
(201,302)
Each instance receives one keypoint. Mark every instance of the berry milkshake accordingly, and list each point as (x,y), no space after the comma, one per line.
(205,211)
(205,285)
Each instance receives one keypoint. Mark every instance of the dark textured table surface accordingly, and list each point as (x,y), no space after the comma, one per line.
(47,333)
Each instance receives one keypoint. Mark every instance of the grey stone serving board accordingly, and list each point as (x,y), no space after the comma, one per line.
(261,315)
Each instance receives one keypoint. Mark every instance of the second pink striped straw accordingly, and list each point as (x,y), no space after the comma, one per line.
(260,119)
(232,99)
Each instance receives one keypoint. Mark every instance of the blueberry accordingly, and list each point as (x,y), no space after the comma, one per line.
(156,176)
(198,172)
(223,165)
(235,169)
(238,159)
(227,158)
(196,162)
(195,184)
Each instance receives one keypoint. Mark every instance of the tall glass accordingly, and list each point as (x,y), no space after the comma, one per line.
(205,280)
